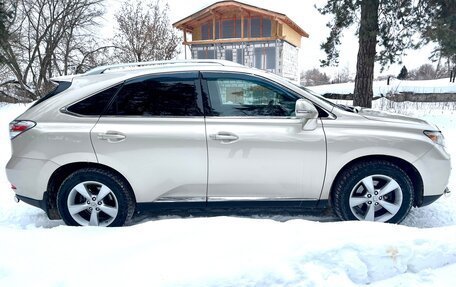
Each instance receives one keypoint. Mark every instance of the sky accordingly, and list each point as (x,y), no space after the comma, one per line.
(304,14)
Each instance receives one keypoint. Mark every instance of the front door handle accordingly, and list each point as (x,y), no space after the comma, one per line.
(224,137)
(112,136)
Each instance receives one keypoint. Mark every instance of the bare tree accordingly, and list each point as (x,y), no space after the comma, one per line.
(423,72)
(46,38)
(342,76)
(144,32)
(314,77)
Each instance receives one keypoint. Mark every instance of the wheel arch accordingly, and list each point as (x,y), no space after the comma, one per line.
(60,174)
(407,167)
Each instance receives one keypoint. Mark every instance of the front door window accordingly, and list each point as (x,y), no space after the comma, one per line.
(239,97)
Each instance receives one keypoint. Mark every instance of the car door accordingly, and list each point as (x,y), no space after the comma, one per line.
(153,133)
(258,151)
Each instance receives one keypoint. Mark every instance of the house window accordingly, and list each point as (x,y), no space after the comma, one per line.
(240,56)
(238,29)
(267,27)
(270,57)
(231,28)
(206,54)
(210,54)
(246,28)
(255,27)
(265,58)
(228,29)
(201,54)
(229,54)
(206,31)
(258,56)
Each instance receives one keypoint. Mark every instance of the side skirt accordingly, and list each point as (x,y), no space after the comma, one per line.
(231,204)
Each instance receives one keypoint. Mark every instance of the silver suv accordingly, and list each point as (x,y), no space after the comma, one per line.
(131,137)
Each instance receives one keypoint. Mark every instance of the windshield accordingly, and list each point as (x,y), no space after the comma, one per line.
(318,96)
(321,98)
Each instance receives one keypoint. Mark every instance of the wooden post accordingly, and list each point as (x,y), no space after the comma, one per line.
(213,26)
(242,25)
(185,43)
(234,30)
(277,28)
(249,26)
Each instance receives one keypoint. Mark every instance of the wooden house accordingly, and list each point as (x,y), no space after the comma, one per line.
(245,34)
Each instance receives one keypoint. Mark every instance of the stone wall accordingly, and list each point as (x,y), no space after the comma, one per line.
(289,65)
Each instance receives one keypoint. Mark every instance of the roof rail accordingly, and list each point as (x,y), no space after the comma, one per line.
(102,69)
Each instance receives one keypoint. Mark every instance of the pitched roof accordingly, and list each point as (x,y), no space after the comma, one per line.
(186,23)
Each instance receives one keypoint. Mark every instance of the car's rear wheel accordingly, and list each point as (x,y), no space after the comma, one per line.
(373,191)
(95,197)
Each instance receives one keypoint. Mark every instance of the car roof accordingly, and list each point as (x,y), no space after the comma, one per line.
(122,72)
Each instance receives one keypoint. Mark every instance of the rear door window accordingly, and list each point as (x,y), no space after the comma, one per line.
(164,95)
(94,105)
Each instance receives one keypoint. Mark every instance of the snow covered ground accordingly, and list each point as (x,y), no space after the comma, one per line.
(298,250)
(395,86)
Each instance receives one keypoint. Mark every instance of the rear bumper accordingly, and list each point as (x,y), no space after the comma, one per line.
(42,204)
(30,176)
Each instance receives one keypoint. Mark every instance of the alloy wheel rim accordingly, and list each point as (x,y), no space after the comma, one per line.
(92,203)
(376,198)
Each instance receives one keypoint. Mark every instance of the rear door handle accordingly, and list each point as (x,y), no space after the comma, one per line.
(111,136)
(224,137)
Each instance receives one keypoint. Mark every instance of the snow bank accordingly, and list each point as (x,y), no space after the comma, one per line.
(229,251)
(381,88)
(221,251)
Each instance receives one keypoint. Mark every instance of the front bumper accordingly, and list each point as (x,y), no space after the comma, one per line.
(434,168)
(431,198)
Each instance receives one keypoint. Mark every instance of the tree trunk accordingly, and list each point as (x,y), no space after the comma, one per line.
(368,30)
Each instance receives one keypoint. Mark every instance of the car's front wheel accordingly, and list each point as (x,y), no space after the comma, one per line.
(373,191)
(95,197)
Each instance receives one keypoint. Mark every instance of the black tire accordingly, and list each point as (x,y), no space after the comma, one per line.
(120,195)
(351,177)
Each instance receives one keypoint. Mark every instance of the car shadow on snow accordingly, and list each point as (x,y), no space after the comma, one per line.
(33,219)
(437,215)
(277,214)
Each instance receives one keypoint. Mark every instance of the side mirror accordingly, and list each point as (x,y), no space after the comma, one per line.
(306,110)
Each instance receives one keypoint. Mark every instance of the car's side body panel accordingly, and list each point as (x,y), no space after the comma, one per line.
(351,137)
(50,144)
(162,158)
(273,158)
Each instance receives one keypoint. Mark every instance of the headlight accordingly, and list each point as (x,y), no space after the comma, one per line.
(436,137)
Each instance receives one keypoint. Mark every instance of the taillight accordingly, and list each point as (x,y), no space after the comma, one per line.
(18,127)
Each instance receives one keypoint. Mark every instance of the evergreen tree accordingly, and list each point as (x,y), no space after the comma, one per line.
(443,29)
(3,19)
(403,73)
(385,29)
